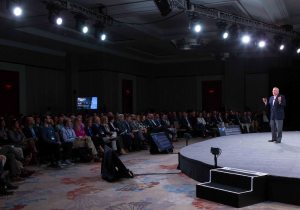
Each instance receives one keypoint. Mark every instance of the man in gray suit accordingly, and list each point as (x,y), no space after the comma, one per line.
(276,103)
(135,128)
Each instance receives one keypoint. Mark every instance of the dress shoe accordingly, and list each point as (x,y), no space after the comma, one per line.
(17,179)
(4,191)
(272,140)
(26,173)
(278,142)
(9,186)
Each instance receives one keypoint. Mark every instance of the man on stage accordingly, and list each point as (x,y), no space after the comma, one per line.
(276,103)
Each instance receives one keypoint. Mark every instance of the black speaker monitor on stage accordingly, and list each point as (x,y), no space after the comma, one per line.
(112,167)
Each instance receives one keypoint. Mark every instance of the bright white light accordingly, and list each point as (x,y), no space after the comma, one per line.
(246,39)
(281,47)
(85,29)
(262,44)
(103,37)
(197,28)
(17,11)
(59,21)
(225,35)
(298,51)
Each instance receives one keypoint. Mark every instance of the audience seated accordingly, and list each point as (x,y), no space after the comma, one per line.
(265,121)
(134,126)
(165,122)
(19,140)
(60,124)
(78,136)
(52,144)
(31,133)
(3,133)
(117,142)
(130,141)
(155,128)
(97,140)
(129,133)
(186,124)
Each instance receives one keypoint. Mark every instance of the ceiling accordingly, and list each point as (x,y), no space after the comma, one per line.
(150,42)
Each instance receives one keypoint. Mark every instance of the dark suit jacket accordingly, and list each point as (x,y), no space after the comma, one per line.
(96,129)
(193,120)
(214,120)
(157,121)
(150,123)
(45,135)
(277,111)
(112,128)
(172,119)
(88,132)
(122,127)
(184,123)
(27,132)
(237,120)
(163,122)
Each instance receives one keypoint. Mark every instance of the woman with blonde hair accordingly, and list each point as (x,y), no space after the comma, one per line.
(81,139)
(116,141)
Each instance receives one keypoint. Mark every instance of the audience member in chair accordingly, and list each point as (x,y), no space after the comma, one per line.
(3,133)
(165,122)
(174,118)
(97,140)
(19,140)
(187,124)
(227,120)
(78,136)
(52,143)
(60,124)
(246,121)
(215,119)
(98,131)
(117,142)
(265,121)
(134,126)
(209,125)
(155,128)
(31,133)
(127,119)
(129,139)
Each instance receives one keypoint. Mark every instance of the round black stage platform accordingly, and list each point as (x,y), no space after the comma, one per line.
(250,152)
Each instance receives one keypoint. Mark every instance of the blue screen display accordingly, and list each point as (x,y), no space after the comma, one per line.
(87,103)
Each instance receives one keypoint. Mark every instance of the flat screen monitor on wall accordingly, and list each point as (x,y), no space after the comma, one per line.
(87,103)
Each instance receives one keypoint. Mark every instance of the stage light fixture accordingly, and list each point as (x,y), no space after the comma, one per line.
(163,6)
(233,31)
(14,6)
(261,39)
(296,45)
(81,23)
(246,35)
(194,22)
(225,35)
(279,42)
(54,14)
(221,29)
(197,28)
(99,31)
(246,39)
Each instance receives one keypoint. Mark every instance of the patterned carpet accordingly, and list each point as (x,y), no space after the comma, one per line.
(81,187)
